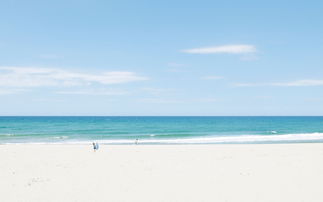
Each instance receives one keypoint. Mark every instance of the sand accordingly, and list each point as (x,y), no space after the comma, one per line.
(251,173)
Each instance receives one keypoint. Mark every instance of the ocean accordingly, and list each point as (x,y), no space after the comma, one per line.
(159,130)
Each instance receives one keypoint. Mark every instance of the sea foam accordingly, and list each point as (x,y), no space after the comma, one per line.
(303,137)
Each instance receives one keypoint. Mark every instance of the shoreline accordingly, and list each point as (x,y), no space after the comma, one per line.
(158,144)
(210,139)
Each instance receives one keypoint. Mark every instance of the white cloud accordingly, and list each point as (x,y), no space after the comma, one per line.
(160,101)
(301,83)
(11,91)
(298,83)
(212,77)
(229,49)
(177,101)
(38,77)
(159,91)
(94,92)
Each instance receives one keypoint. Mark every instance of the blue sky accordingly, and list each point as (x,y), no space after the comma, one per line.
(87,57)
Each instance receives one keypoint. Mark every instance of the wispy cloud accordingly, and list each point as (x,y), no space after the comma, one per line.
(38,77)
(301,83)
(94,92)
(212,77)
(160,101)
(159,91)
(228,49)
(177,101)
(298,83)
(11,91)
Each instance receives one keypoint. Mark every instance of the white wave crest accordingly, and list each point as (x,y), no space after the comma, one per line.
(224,139)
(203,140)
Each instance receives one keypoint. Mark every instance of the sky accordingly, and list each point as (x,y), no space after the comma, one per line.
(161,58)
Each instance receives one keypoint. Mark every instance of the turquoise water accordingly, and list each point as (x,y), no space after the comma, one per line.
(160,130)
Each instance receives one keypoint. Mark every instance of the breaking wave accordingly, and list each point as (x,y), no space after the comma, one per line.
(304,137)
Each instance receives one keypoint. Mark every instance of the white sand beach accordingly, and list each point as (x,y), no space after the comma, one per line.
(239,173)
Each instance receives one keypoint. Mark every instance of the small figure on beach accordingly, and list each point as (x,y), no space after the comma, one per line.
(95,146)
(136,142)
